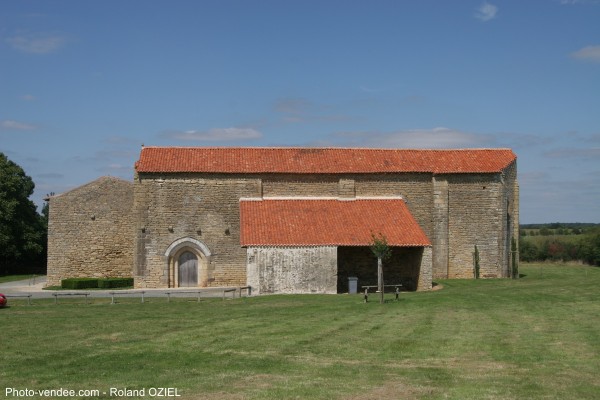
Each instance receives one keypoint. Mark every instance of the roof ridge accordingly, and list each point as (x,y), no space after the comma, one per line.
(327,148)
(322,160)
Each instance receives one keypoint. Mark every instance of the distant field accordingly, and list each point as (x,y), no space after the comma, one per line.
(533,338)
(538,240)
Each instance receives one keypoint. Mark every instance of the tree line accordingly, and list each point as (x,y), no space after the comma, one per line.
(584,247)
(23,231)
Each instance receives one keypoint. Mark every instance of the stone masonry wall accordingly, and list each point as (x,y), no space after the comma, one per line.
(475,217)
(510,201)
(90,231)
(292,269)
(203,208)
(456,211)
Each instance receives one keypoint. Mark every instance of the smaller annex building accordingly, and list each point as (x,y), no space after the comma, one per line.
(289,220)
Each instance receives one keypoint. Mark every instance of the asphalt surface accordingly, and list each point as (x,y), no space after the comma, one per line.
(35,287)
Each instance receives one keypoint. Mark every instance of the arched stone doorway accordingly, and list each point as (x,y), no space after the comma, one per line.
(188,263)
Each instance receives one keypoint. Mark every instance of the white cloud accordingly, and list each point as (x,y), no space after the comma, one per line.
(301,110)
(28,97)
(11,125)
(486,12)
(436,138)
(592,153)
(589,53)
(572,2)
(36,43)
(217,134)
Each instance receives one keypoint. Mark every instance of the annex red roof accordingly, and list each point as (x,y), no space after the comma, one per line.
(320,160)
(329,222)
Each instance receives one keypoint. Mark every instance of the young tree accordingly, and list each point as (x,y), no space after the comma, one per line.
(514,258)
(21,228)
(382,251)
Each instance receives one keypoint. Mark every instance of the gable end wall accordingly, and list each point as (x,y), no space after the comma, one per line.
(90,232)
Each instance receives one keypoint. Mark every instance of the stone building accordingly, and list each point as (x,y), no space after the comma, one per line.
(90,231)
(297,220)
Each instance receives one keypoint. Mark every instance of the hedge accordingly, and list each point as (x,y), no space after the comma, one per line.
(96,283)
(108,283)
(79,283)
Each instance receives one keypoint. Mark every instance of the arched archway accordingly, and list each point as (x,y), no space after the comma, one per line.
(188,261)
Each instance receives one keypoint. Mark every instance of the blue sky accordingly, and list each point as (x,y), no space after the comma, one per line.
(83,84)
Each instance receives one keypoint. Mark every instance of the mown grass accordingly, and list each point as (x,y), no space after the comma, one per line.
(537,337)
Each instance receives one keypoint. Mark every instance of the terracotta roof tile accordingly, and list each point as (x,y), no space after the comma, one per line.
(321,160)
(314,222)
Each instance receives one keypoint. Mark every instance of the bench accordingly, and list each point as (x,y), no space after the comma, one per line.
(56,295)
(232,291)
(247,288)
(395,286)
(199,292)
(20,295)
(113,294)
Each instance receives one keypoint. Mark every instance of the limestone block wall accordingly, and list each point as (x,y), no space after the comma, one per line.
(426,269)
(292,269)
(456,211)
(201,207)
(475,217)
(90,231)
(283,185)
(510,200)
(440,235)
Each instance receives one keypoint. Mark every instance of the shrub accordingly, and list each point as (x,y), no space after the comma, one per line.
(79,283)
(95,283)
(109,283)
(528,251)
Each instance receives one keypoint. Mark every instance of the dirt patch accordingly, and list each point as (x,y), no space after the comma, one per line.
(437,286)
(391,390)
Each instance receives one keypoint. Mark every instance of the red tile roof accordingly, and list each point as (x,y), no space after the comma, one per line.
(318,222)
(321,160)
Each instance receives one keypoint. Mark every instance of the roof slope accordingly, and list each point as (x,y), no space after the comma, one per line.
(93,186)
(319,222)
(321,160)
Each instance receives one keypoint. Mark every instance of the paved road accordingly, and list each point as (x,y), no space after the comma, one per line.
(35,288)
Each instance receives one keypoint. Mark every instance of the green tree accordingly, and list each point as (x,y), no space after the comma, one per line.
(382,251)
(590,249)
(22,231)
(528,251)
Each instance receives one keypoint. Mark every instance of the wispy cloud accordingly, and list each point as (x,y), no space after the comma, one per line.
(36,43)
(28,97)
(573,2)
(50,175)
(214,135)
(301,110)
(12,125)
(416,138)
(589,153)
(486,12)
(589,53)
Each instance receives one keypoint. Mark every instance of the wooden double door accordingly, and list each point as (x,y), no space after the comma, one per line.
(188,269)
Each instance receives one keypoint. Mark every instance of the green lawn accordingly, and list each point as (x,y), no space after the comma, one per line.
(533,338)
